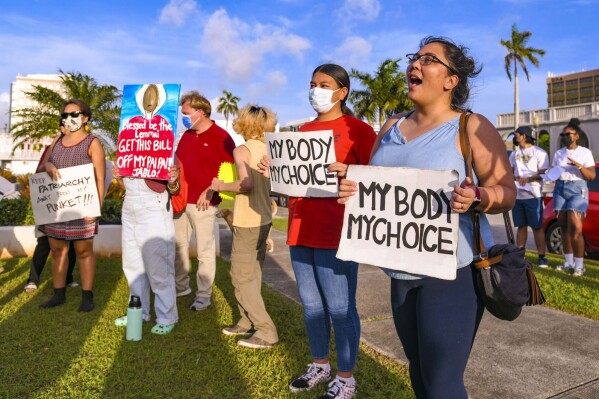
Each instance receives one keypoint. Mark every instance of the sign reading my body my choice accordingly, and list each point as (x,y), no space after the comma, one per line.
(400,219)
(147,130)
(299,161)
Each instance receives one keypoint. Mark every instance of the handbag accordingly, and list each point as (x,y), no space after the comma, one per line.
(505,278)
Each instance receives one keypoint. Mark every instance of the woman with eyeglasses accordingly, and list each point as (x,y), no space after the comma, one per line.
(571,194)
(436,320)
(76,147)
(252,219)
(327,285)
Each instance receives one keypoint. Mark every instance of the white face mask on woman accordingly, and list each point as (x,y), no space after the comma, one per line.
(73,124)
(320,99)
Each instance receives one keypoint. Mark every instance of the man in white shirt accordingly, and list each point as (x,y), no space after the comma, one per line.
(529,162)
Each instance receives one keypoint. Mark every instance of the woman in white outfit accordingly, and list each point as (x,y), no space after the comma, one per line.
(148,240)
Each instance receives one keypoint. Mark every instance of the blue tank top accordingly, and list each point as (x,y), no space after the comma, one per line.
(435,149)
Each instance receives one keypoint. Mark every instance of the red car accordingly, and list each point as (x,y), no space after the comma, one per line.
(590,229)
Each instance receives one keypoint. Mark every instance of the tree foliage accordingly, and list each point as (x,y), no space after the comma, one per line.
(227,105)
(42,120)
(518,54)
(382,94)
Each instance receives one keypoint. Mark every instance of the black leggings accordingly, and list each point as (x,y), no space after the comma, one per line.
(436,321)
(40,256)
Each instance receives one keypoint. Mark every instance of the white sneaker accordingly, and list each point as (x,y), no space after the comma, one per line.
(565,267)
(184,293)
(579,271)
(314,376)
(340,390)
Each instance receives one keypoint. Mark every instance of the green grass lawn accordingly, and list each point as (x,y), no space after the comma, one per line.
(60,353)
(563,291)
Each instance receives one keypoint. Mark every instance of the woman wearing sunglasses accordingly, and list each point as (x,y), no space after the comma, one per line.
(436,320)
(76,147)
(571,195)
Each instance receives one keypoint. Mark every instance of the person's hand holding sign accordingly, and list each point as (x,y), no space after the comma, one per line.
(263,166)
(347,188)
(464,196)
(339,168)
(52,171)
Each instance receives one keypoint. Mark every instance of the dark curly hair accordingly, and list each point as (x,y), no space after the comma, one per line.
(575,125)
(460,62)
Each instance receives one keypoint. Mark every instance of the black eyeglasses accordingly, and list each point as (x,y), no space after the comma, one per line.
(427,59)
(73,114)
(567,134)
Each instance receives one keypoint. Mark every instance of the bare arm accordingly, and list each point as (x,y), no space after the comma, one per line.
(244,182)
(96,152)
(491,165)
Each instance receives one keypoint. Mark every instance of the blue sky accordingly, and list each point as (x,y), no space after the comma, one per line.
(264,51)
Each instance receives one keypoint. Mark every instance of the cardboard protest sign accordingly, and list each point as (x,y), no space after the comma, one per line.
(299,161)
(400,219)
(147,131)
(71,197)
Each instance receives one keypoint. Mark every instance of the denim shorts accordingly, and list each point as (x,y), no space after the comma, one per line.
(528,212)
(571,195)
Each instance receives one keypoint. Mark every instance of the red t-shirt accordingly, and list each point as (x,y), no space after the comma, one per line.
(201,156)
(317,222)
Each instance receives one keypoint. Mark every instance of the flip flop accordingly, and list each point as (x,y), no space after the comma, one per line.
(121,321)
(162,329)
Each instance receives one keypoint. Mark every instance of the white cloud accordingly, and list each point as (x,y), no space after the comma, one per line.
(352,52)
(366,10)
(238,48)
(272,86)
(176,12)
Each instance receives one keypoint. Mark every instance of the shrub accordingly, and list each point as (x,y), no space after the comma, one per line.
(17,212)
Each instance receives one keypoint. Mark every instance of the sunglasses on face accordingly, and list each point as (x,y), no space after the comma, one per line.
(73,114)
(567,134)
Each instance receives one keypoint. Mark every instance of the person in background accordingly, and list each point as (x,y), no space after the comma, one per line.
(76,147)
(202,149)
(326,284)
(436,320)
(528,163)
(571,194)
(148,239)
(252,219)
(42,248)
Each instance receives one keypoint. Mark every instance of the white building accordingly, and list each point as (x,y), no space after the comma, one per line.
(553,120)
(26,157)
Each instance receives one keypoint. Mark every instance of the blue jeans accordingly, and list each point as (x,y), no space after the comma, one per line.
(571,196)
(327,288)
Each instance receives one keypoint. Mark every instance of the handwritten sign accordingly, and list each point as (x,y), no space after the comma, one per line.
(71,197)
(400,219)
(299,161)
(147,132)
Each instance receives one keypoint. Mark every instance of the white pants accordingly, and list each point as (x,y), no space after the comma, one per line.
(148,238)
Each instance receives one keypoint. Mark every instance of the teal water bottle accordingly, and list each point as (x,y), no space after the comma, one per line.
(134,319)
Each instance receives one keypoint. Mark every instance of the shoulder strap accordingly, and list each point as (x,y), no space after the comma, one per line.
(479,245)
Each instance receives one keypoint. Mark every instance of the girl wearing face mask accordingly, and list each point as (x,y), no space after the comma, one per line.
(76,147)
(327,285)
(571,195)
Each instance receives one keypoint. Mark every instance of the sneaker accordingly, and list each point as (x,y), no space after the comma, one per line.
(255,343)
(184,293)
(73,284)
(30,286)
(200,304)
(237,330)
(314,376)
(579,271)
(565,267)
(340,390)
(542,262)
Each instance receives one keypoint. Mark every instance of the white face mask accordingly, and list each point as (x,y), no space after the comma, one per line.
(320,99)
(73,124)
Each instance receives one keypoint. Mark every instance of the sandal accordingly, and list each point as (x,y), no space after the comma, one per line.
(30,286)
(162,329)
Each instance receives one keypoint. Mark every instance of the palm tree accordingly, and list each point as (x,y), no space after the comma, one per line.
(227,105)
(518,53)
(41,121)
(382,95)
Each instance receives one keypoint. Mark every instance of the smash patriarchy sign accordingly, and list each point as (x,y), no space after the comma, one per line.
(71,197)
(299,162)
(146,141)
(401,219)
